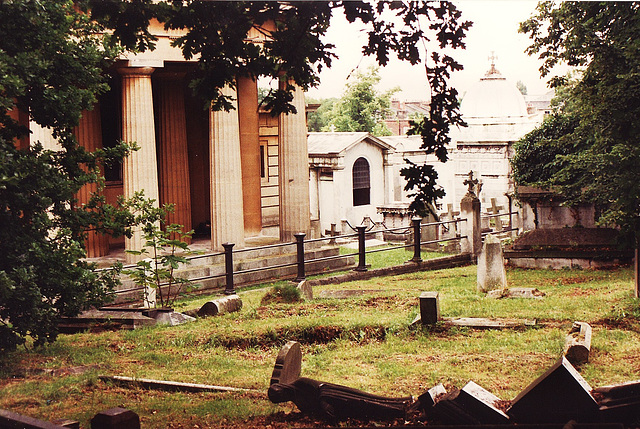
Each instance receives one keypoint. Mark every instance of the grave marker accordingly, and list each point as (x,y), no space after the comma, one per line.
(578,343)
(491,272)
(288,364)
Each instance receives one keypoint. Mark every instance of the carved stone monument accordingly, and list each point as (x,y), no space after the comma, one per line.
(491,272)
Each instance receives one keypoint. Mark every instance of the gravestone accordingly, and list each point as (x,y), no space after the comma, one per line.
(288,364)
(429,308)
(305,290)
(557,396)
(620,403)
(491,272)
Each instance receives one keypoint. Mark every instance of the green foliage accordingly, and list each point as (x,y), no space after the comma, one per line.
(319,120)
(51,67)
(362,107)
(600,155)
(166,247)
(286,293)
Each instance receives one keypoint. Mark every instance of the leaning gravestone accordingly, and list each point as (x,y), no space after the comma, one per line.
(491,272)
(288,364)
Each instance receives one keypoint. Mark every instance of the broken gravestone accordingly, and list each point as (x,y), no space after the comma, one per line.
(306,291)
(471,405)
(578,343)
(620,403)
(226,304)
(557,396)
(491,272)
(288,364)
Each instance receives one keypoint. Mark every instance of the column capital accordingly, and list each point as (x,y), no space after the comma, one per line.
(135,71)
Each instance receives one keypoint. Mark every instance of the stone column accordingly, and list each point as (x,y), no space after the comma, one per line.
(173,157)
(294,171)
(250,154)
(140,170)
(89,135)
(470,210)
(227,224)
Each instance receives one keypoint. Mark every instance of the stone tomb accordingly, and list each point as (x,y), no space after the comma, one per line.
(557,396)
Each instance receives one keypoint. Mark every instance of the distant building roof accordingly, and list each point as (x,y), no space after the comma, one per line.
(337,142)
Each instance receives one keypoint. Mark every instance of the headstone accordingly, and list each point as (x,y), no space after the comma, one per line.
(226,304)
(173,318)
(305,290)
(429,308)
(578,343)
(472,405)
(116,418)
(557,396)
(288,364)
(431,396)
(491,272)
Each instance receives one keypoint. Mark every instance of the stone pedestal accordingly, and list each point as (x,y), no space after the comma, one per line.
(227,223)
(471,228)
(491,272)
(295,210)
(140,172)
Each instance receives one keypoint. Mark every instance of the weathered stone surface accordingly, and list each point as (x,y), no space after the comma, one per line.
(471,405)
(491,272)
(173,318)
(578,343)
(305,290)
(516,292)
(9,419)
(98,319)
(482,323)
(619,403)
(226,304)
(288,364)
(557,396)
(429,398)
(116,418)
(67,423)
(347,293)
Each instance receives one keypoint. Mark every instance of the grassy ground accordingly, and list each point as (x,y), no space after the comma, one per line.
(362,342)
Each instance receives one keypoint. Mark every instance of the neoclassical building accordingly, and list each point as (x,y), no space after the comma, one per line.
(237,174)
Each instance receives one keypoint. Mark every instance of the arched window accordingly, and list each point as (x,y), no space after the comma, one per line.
(361,183)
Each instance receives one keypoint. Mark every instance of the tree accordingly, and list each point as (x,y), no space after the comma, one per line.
(52,58)
(362,107)
(319,119)
(600,155)
(50,67)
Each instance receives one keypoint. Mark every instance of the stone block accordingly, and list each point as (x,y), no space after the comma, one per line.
(619,403)
(491,272)
(288,364)
(429,308)
(557,396)
(9,419)
(116,418)
(305,290)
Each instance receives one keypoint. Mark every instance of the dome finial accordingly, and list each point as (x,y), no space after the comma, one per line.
(493,57)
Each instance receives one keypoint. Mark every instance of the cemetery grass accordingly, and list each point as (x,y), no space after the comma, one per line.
(362,342)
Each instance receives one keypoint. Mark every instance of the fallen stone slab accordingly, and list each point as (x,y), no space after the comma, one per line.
(516,292)
(427,400)
(171,386)
(483,323)
(617,393)
(226,304)
(9,419)
(578,343)
(104,320)
(471,405)
(347,293)
(557,396)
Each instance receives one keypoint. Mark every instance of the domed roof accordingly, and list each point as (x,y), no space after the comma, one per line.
(493,97)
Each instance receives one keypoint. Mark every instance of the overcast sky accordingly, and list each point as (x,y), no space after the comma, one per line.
(495,29)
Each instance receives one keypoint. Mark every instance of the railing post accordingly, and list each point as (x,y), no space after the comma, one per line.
(417,238)
(228,268)
(362,264)
(300,255)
